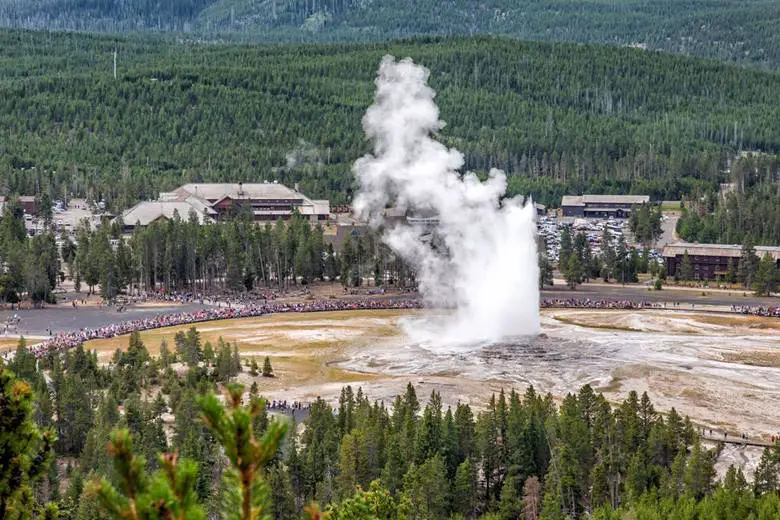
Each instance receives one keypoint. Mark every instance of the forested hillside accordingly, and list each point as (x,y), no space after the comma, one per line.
(750,213)
(558,118)
(740,30)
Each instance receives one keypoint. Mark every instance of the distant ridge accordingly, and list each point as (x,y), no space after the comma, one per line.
(744,31)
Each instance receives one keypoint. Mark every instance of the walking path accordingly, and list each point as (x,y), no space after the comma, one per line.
(740,440)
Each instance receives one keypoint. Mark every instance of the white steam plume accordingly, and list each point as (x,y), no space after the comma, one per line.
(488,267)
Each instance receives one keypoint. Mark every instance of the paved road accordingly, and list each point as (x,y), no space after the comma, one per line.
(668,227)
(640,293)
(64,318)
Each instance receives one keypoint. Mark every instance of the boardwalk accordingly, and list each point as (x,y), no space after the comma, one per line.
(719,436)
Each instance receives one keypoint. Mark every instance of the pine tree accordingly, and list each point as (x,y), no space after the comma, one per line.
(208,353)
(395,466)
(172,491)
(74,414)
(247,495)
(331,269)
(700,472)
(25,450)
(565,249)
(268,370)
(169,494)
(511,505)
(545,267)
(748,264)
(374,504)
(731,274)
(236,361)
(165,355)
(766,277)
(426,489)
(282,495)
(464,490)
(767,475)
(686,268)
(573,271)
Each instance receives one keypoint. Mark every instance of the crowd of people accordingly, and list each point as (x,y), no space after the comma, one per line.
(757,310)
(211,299)
(587,303)
(67,340)
(284,406)
(259,305)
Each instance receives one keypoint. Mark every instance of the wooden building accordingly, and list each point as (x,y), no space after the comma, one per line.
(710,261)
(601,206)
(267,202)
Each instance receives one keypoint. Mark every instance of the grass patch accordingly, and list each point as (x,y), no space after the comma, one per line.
(570,321)
(753,358)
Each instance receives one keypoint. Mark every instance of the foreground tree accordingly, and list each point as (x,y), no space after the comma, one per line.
(171,492)
(25,451)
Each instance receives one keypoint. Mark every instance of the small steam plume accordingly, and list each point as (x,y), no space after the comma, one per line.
(483,259)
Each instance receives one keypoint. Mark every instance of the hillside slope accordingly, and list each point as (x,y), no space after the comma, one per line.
(558,118)
(739,30)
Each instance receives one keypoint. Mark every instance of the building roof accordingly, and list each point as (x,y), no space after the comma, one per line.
(203,199)
(214,191)
(144,213)
(582,200)
(200,205)
(730,250)
(602,209)
(616,199)
(22,198)
(572,200)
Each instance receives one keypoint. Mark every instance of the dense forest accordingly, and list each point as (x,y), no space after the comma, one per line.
(520,455)
(558,118)
(748,211)
(235,256)
(735,30)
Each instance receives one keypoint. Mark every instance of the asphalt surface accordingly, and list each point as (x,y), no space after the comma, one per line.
(64,318)
(637,293)
(668,227)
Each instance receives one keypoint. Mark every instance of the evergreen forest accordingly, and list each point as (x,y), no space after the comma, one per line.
(558,118)
(145,437)
(744,31)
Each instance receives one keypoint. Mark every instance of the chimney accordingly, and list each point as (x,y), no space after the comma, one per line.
(296,187)
(240,189)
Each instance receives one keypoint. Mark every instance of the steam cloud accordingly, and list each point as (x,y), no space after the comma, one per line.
(483,260)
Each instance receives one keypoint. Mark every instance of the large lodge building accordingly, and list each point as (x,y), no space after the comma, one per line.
(601,206)
(268,202)
(710,261)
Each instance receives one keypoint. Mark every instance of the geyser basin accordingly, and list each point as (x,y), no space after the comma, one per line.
(722,370)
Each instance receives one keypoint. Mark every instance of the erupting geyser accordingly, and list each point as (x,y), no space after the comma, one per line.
(482,260)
